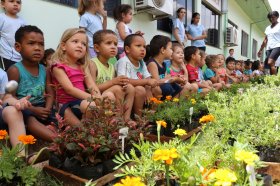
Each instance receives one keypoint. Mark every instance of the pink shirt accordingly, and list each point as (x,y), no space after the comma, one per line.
(222,74)
(76,76)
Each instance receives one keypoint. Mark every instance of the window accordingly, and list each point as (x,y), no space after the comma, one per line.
(165,24)
(211,22)
(244,44)
(254,49)
(109,4)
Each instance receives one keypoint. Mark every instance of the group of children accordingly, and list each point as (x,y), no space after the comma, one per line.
(82,67)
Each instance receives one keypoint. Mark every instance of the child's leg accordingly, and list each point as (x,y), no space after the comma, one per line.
(129,99)
(218,86)
(70,117)
(14,119)
(38,129)
(139,100)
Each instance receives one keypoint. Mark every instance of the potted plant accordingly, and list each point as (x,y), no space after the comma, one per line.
(86,149)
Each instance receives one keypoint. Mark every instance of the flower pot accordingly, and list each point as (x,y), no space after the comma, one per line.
(163,182)
(269,154)
(14,182)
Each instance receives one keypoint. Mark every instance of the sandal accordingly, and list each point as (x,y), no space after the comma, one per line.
(38,157)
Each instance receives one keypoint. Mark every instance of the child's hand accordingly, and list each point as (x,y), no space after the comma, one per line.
(23,103)
(120,80)
(41,112)
(152,82)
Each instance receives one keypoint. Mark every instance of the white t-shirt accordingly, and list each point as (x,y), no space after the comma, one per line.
(92,23)
(125,68)
(177,23)
(273,36)
(8,28)
(3,81)
(128,31)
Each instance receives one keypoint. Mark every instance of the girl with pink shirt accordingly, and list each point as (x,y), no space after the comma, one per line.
(71,75)
(222,70)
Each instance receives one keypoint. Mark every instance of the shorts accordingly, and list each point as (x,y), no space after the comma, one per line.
(273,53)
(75,108)
(3,125)
(170,89)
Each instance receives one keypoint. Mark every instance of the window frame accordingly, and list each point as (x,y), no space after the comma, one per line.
(244,46)
(254,49)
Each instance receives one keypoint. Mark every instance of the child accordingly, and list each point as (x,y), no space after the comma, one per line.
(93,18)
(9,23)
(222,70)
(178,68)
(211,73)
(32,81)
(133,67)
(238,71)
(248,68)
(257,69)
(231,73)
(71,75)
(161,49)
(123,14)
(193,58)
(46,61)
(103,73)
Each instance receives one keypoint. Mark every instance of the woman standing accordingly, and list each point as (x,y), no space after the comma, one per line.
(178,31)
(272,41)
(196,32)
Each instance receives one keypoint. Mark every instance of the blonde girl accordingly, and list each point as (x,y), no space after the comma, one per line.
(71,75)
(93,18)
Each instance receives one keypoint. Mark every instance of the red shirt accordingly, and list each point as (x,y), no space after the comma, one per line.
(192,73)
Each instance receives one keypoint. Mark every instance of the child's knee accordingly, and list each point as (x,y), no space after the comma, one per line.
(110,95)
(130,89)
(140,91)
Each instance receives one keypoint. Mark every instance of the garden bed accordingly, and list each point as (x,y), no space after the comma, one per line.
(272,169)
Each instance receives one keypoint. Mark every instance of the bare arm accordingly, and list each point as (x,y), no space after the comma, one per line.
(49,90)
(262,46)
(121,30)
(203,36)
(90,83)
(176,35)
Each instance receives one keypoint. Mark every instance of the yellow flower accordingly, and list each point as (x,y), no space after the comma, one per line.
(162,123)
(180,132)
(175,100)
(248,157)
(3,134)
(223,177)
(168,98)
(27,139)
(166,155)
(130,181)
(193,101)
(207,118)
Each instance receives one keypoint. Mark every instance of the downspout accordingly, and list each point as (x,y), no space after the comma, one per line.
(225,16)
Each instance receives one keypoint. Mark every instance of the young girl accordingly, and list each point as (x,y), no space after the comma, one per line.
(46,61)
(71,75)
(103,73)
(178,68)
(222,70)
(161,49)
(231,73)
(123,14)
(93,18)
(257,68)
(193,58)
(248,68)
(133,66)
(211,73)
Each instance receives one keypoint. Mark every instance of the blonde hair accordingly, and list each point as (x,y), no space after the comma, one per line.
(84,5)
(59,54)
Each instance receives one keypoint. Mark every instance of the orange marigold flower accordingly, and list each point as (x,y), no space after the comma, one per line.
(3,134)
(168,98)
(207,118)
(153,99)
(27,139)
(166,155)
(162,123)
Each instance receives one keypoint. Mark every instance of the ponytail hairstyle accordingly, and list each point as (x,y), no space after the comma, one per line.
(158,42)
(120,10)
(193,16)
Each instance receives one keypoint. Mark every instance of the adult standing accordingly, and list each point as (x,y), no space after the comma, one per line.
(178,31)
(196,32)
(272,41)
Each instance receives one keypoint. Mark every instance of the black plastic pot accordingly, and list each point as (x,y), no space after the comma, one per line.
(269,154)
(163,183)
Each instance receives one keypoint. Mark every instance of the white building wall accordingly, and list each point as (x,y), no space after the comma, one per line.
(54,18)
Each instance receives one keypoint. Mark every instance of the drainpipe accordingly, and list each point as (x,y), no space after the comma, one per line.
(250,38)
(225,16)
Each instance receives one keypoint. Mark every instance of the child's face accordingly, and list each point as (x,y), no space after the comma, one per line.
(137,50)
(168,51)
(202,61)
(231,65)
(221,61)
(75,48)
(108,47)
(31,47)
(127,18)
(48,60)
(12,7)
(248,67)
(216,64)
(178,55)
(196,57)
(231,52)
(238,66)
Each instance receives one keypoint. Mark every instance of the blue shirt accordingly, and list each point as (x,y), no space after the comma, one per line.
(177,23)
(195,31)
(208,74)
(29,85)
(248,72)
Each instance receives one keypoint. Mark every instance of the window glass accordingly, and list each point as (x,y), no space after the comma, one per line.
(254,49)
(244,44)
(211,22)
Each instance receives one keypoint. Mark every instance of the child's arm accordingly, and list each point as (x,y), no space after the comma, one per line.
(49,90)
(186,75)
(142,82)
(90,84)
(67,85)
(216,77)
(121,30)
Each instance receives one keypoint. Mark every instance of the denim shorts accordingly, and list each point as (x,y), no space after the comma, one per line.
(170,89)
(273,53)
(74,106)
